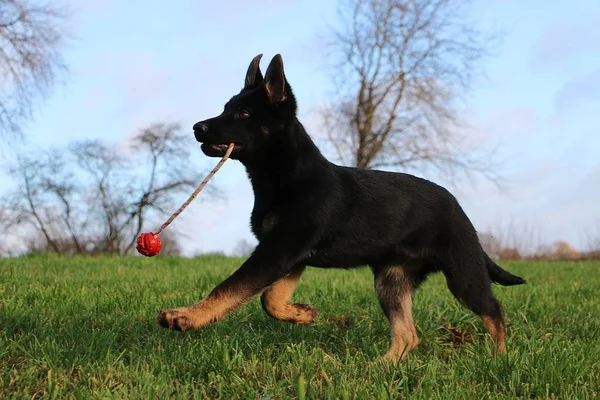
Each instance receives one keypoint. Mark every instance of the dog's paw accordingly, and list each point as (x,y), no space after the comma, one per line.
(304,314)
(178,319)
(390,358)
(394,356)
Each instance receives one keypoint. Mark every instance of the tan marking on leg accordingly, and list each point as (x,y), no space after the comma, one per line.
(275,301)
(210,310)
(411,324)
(402,329)
(226,297)
(497,331)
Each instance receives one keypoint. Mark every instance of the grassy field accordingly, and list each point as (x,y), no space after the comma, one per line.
(86,327)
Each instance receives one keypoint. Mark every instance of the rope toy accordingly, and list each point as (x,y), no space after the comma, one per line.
(148,243)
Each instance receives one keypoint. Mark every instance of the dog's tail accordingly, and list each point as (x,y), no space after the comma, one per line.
(498,275)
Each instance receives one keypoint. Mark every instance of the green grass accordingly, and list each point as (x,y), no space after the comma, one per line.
(86,327)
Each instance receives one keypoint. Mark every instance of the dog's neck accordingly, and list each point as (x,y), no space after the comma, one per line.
(290,158)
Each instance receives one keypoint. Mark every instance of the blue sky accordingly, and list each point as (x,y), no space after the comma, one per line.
(133,63)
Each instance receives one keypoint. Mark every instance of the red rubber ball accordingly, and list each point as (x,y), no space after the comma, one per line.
(148,244)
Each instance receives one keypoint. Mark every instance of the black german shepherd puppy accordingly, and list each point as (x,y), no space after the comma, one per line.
(311,212)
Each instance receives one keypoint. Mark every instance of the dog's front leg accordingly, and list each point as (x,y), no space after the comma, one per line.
(260,271)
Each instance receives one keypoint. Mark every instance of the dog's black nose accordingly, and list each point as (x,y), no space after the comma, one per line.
(200,127)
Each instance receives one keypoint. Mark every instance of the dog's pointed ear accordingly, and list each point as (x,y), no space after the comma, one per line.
(253,76)
(275,80)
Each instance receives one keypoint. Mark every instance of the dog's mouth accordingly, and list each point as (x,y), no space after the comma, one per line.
(219,149)
(223,147)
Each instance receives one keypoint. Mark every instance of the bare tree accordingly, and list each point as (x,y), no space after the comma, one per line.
(31,38)
(401,68)
(30,203)
(107,193)
(91,199)
(562,250)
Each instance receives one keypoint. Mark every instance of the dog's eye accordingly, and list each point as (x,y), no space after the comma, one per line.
(243,114)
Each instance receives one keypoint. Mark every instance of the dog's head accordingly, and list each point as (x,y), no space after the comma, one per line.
(263,107)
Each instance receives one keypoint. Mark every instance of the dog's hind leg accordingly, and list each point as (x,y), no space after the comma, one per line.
(394,288)
(275,300)
(469,282)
